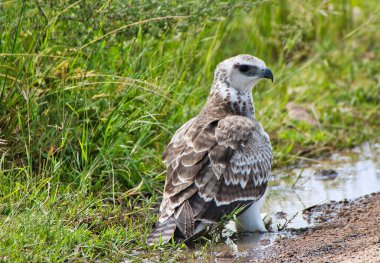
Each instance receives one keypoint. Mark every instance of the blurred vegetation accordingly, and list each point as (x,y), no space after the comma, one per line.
(92,91)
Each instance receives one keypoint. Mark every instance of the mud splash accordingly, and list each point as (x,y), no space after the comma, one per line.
(293,195)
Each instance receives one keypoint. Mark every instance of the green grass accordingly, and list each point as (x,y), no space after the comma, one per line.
(92,91)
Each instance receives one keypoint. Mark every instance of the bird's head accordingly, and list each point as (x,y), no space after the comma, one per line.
(242,72)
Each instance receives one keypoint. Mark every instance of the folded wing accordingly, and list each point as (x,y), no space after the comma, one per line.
(214,166)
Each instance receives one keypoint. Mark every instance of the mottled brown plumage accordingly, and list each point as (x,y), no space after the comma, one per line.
(220,159)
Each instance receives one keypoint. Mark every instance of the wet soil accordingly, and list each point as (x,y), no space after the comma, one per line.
(349,231)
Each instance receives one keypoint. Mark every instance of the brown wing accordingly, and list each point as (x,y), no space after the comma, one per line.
(213,166)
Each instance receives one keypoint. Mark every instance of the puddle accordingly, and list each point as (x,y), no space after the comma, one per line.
(343,176)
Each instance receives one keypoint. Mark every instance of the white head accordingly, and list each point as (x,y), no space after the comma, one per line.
(242,72)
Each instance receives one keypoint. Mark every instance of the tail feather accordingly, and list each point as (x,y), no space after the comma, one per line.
(162,232)
(184,219)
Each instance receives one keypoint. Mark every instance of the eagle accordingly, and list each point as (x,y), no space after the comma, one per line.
(218,161)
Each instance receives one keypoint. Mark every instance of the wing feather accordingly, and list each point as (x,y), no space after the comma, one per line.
(205,139)
(214,164)
(192,158)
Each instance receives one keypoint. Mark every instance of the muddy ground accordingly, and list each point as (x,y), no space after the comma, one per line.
(346,232)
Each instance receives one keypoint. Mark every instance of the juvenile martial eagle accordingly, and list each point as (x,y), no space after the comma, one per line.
(220,160)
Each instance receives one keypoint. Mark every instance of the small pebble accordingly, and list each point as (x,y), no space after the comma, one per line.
(264,242)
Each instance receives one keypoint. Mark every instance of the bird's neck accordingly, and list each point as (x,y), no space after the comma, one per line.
(231,101)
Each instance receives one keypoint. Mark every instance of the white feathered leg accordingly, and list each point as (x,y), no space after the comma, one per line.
(250,220)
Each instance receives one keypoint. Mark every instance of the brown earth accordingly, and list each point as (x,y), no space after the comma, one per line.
(347,232)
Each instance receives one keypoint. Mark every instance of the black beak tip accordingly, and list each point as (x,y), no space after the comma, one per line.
(268,74)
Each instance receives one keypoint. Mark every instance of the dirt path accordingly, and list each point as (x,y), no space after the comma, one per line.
(348,232)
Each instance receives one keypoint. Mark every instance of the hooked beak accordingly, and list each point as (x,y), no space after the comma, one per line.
(267,74)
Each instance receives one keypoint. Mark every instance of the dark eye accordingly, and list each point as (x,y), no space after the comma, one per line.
(243,68)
